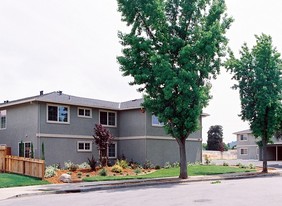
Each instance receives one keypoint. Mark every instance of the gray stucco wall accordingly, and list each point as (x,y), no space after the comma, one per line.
(131,123)
(158,151)
(60,150)
(77,125)
(21,126)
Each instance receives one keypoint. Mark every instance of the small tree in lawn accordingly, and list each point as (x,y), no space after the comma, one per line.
(258,72)
(102,139)
(215,137)
(173,49)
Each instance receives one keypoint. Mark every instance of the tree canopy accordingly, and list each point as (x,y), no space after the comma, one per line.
(258,72)
(173,49)
(215,138)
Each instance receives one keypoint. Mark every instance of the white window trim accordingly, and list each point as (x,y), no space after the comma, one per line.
(244,149)
(5,120)
(160,124)
(24,148)
(57,122)
(108,111)
(83,150)
(243,140)
(115,143)
(84,108)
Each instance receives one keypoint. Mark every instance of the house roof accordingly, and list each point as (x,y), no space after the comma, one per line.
(60,98)
(247,131)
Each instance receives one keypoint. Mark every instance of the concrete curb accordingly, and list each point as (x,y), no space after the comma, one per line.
(75,188)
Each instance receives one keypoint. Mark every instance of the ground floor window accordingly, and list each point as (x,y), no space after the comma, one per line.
(25,149)
(112,151)
(243,151)
(84,146)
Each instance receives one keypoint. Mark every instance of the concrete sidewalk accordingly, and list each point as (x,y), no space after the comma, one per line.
(14,192)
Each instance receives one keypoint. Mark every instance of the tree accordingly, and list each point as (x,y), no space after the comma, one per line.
(215,137)
(102,139)
(258,72)
(173,49)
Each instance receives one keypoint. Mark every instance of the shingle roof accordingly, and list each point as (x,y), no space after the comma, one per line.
(60,98)
(247,131)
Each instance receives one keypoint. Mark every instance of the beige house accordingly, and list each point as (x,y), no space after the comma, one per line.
(247,147)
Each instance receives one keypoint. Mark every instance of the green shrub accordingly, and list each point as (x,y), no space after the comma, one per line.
(157,167)
(122,163)
(70,166)
(225,164)
(251,166)
(84,165)
(87,175)
(103,172)
(148,165)
(167,165)
(207,160)
(117,169)
(92,163)
(175,164)
(69,173)
(50,171)
(137,171)
(79,174)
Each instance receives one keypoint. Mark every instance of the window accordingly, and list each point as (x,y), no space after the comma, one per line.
(3,119)
(243,138)
(112,151)
(244,151)
(84,146)
(57,113)
(108,118)
(84,112)
(26,149)
(155,121)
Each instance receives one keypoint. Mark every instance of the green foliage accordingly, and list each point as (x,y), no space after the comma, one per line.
(122,163)
(137,171)
(148,165)
(258,72)
(70,166)
(167,165)
(21,148)
(42,151)
(226,164)
(157,167)
(31,151)
(84,165)
(50,171)
(92,163)
(215,137)
(117,169)
(173,49)
(207,160)
(204,146)
(103,172)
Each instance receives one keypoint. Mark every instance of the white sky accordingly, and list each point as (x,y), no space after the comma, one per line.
(71,45)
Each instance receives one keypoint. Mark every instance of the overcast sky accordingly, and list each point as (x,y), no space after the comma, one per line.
(71,45)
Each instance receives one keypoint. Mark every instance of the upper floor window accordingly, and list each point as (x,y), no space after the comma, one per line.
(108,118)
(84,112)
(3,119)
(243,138)
(58,113)
(156,122)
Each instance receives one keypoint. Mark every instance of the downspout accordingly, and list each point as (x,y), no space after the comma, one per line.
(39,132)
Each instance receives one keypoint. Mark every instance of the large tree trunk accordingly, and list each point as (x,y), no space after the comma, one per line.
(264,156)
(183,163)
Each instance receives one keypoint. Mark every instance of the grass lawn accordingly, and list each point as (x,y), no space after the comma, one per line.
(193,170)
(14,180)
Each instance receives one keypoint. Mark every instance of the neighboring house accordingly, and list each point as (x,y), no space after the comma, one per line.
(247,147)
(65,125)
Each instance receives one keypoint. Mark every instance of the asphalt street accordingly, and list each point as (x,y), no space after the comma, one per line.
(253,191)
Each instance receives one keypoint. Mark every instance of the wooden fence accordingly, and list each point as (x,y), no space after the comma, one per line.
(21,165)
